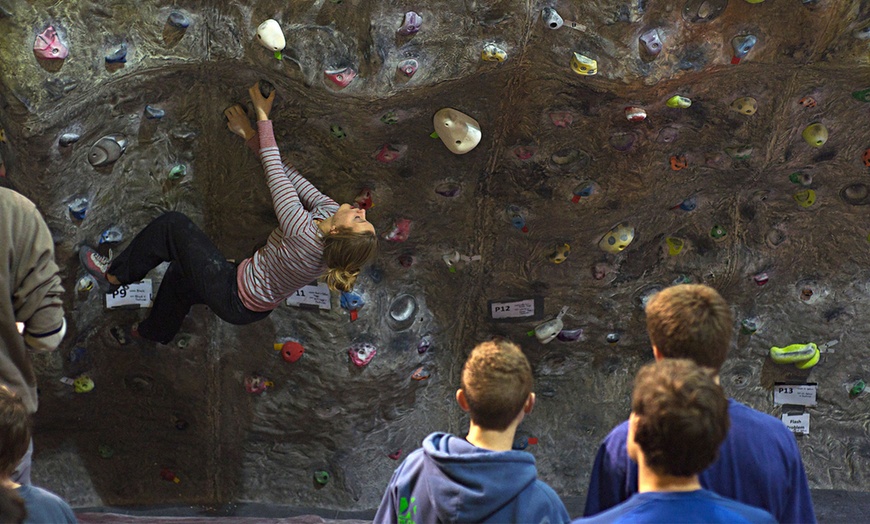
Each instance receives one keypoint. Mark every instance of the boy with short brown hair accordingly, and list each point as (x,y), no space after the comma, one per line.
(41,505)
(479,478)
(679,418)
(759,463)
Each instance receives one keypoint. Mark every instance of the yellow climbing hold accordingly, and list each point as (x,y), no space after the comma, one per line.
(679,101)
(815,134)
(617,238)
(583,65)
(675,245)
(804,356)
(805,198)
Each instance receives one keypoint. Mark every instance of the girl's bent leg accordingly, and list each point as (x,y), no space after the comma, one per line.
(172,303)
(171,237)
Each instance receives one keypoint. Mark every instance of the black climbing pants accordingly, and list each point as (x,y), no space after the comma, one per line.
(198,274)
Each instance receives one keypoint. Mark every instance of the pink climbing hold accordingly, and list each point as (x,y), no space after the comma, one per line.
(635,114)
(389,153)
(47,45)
(361,354)
(364,199)
(255,384)
(408,67)
(525,152)
(401,231)
(562,118)
(341,77)
(396,454)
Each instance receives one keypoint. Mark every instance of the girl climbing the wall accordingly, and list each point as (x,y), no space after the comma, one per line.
(315,236)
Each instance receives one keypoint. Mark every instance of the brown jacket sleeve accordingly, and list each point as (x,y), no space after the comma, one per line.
(36,292)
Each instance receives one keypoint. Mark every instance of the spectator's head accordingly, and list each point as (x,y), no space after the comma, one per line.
(12,509)
(14,431)
(690,321)
(679,417)
(496,385)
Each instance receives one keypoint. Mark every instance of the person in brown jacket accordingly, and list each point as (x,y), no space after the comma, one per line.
(30,297)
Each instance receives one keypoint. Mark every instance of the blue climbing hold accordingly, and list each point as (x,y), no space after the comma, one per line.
(178,20)
(112,235)
(153,113)
(78,208)
(118,56)
(351,301)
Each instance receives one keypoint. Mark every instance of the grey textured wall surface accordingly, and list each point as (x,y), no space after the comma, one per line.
(186,409)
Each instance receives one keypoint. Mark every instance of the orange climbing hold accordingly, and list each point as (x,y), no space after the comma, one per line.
(866,157)
(807,101)
(679,162)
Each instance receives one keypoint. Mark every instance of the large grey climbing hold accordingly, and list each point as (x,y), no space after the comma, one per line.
(107,150)
(402,312)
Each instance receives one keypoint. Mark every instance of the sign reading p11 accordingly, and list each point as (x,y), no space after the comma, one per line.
(311,295)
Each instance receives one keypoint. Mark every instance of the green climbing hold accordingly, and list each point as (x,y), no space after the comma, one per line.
(106,451)
(278,55)
(739,152)
(718,232)
(857,388)
(390,118)
(799,177)
(748,327)
(177,172)
(321,477)
(862,96)
(337,131)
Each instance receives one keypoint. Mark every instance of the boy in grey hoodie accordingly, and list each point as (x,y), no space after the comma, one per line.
(478,478)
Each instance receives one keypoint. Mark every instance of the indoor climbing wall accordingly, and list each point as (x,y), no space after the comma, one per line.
(623,146)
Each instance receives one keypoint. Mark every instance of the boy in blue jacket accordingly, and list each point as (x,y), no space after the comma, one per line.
(679,417)
(759,462)
(478,478)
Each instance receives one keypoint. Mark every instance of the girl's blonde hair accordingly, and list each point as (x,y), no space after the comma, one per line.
(345,253)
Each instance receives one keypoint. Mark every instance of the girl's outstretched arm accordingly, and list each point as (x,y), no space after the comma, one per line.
(291,214)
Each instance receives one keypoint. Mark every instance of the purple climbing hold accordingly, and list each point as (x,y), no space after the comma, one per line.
(48,45)
(570,335)
(448,189)
(411,23)
(650,42)
(424,344)
(667,135)
(622,141)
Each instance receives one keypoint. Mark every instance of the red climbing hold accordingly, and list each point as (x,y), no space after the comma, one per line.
(292,351)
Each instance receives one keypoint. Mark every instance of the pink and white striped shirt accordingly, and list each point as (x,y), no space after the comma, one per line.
(292,257)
